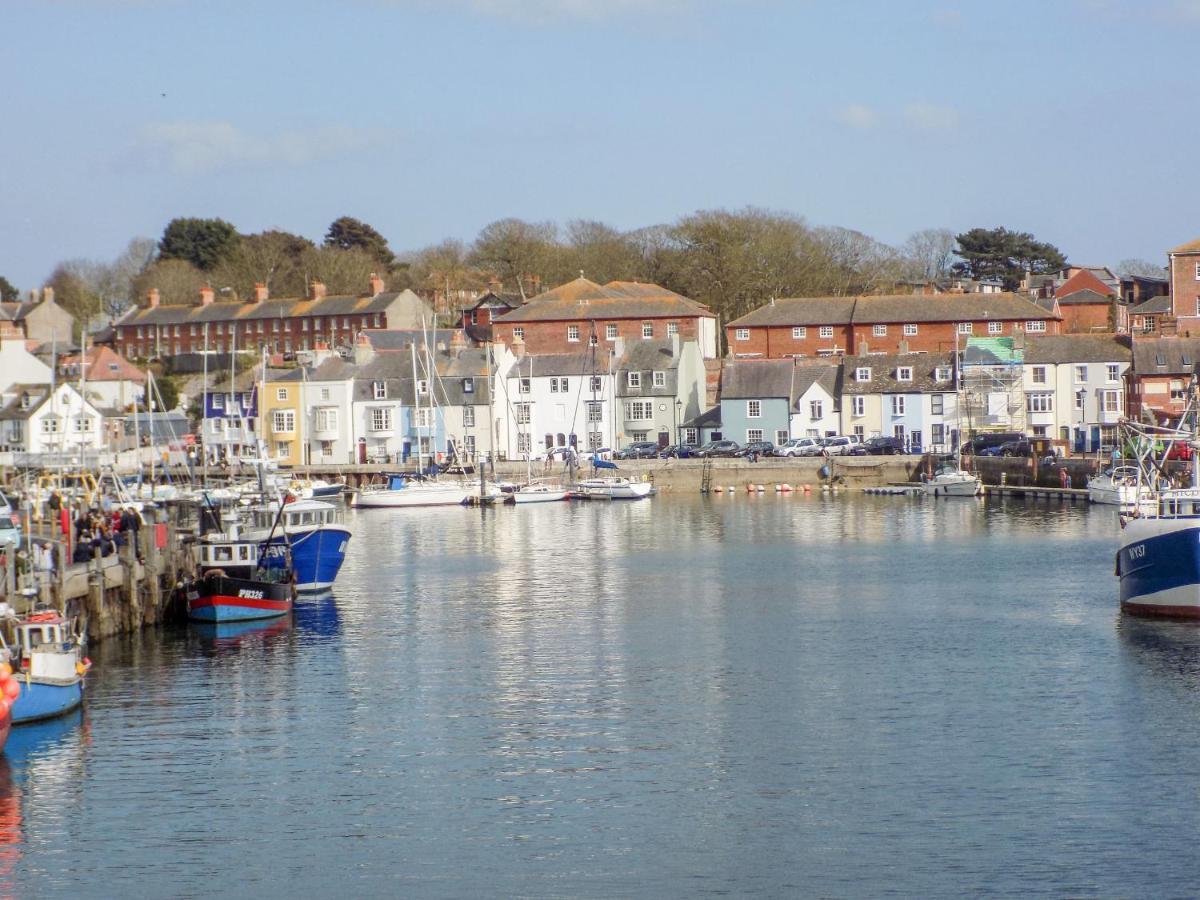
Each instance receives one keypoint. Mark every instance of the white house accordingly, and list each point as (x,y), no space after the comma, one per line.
(909,396)
(37,419)
(816,410)
(326,398)
(1075,388)
(557,400)
(17,364)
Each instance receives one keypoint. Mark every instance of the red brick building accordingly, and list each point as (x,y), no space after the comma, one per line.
(1184,274)
(281,326)
(581,312)
(1157,381)
(836,326)
(1088,304)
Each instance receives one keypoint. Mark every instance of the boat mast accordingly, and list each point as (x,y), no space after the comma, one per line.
(204,399)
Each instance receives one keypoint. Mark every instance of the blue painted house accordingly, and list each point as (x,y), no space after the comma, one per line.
(757,397)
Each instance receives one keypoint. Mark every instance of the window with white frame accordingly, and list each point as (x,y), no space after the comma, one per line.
(563,385)
(595,411)
(50,424)
(1037,374)
(1080,396)
(799,333)
(647,329)
(1040,402)
(283,420)
(518,333)
(1198,271)
(554,385)
(596,386)
(1114,373)
(639,410)
(660,379)
(324,393)
(327,419)
(753,435)
(381,418)
(1081,373)
(858,406)
(379,390)
(826,331)
(965,328)
(1177,393)
(468,385)
(862,374)
(634,379)
(904,373)
(910,330)
(816,409)
(995,328)
(326,449)
(781,436)
(468,417)
(610,332)
(572,332)
(218,401)
(879,330)
(1112,401)
(523,386)
(83,424)
(281,394)
(691,435)
(1035,325)
(283,449)
(742,334)
(937,433)
(469,444)
(523,413)
(672,329)
(941,373)
(936,404)
(523,442)
(898,404)
(423,417)
(753,409)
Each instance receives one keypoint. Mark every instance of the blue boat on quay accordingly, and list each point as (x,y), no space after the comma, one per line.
(48,665)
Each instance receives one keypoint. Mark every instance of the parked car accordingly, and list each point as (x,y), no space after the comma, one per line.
(841,446)
(678,451)
(794,446)
(981,442)
(883,446)
(1021,447)
(718,448)
(762,448)
(10,524)
(638,450)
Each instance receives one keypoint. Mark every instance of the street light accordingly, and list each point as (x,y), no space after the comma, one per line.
(678,421)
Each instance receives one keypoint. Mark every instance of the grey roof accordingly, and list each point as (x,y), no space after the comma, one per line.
(1045,303)
(37,394)
(1165,356)
(562,364)
(757,379)
(710,418)
(893,308)
(884,373)
(403,338)
(1077,348)
(333,368)
(1153,305)
(648,357)
(1077,298)
(448,385)
(827,376)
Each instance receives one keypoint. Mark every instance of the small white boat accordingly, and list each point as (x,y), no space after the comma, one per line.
(398,491)
(612,489)
(950,481)
(314,488)
(1116,487)
(539,493)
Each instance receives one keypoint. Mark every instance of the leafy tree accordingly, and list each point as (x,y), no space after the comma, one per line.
(8,293)
(204,243)
(1141,267)
(1007,255)
(166,389)
(76,284)
(348,233)
(273,258)
(341,271)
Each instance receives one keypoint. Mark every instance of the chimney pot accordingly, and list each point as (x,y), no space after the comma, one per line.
(316,290)
(376,285)
(47,294)
(206,295)
(261,294)
(153,298)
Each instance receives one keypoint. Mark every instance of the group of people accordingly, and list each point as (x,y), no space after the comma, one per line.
(102,531)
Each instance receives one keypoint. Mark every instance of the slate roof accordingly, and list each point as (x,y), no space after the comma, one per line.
(710,418)
(648,357)
(395,369)
(757,379)
(896,308)
(1153,305)
(403,338)
(583,299)
(1165,356)
(37,393)
(884,373)
(561,364)
(1077,348)
(223,311)
(1081,298)
(828,377)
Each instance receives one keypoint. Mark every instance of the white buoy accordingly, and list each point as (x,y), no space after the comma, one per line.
(718,489)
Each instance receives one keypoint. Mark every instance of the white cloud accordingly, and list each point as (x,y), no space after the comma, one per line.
(930,117)
(855,115)
(199,148)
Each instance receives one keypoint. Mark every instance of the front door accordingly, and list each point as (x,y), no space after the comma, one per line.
(664,438)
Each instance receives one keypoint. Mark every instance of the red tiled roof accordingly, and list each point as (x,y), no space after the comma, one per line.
(1083,280)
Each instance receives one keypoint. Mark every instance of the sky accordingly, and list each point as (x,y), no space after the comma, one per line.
(429,119)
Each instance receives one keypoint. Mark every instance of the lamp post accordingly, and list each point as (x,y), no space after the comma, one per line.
(678,421)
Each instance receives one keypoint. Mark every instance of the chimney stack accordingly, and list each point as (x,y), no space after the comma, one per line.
(518,346)
(458,343)
(376,285)
(206,295)
(153,298)
(316,290)
(47,294)
(260,292)
(494,285)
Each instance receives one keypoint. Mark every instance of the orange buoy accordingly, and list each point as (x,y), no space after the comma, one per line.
(11,689)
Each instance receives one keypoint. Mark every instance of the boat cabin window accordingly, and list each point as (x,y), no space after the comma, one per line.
(223,554)
(243,552)
(38,635)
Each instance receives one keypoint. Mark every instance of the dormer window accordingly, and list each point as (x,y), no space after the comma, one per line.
(422,387)
(634,379)
(904,373)
(863,374)
(660,379)
(379,390)
(25,400)
(942,373)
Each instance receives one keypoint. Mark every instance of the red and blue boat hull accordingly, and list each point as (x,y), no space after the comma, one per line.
(219,598)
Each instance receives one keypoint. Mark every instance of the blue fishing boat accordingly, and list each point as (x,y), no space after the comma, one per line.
(47,657)
(217,597)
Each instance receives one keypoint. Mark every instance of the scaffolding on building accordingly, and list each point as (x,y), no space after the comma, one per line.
(993,385)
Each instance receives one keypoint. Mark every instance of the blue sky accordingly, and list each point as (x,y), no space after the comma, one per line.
(431,118)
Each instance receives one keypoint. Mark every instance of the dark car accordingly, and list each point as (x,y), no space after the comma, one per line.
(762,448)
(883,446)
(1021,447)
(638,450)
(678,451)
(990,442)
(718,448)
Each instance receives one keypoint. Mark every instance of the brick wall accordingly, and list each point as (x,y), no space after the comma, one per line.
(1085,317)
(551,337)
(1185,286)
(275,335)
(777,342)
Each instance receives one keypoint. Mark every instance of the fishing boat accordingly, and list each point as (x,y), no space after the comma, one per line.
(47,657)
(536,492)
(308,535)
(218,597)
(398,490)
(1158,562)
(1115,487)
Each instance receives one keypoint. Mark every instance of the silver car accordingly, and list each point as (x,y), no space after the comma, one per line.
(10,524)
(796,446)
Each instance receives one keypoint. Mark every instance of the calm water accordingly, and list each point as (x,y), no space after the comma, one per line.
(783,696)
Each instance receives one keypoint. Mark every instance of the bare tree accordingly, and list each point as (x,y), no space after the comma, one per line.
(930,253)
(515,250)
(178,281)
(1141,267)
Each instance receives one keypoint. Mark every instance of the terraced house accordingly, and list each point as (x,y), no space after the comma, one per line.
(908,396)
(281,326)
(838,326)
(1075,388)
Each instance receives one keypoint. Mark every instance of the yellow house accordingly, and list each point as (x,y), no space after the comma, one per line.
(281,419)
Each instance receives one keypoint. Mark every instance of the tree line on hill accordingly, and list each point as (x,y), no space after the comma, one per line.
(730,260)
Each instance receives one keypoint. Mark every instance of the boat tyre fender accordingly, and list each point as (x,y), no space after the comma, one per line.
(215,573)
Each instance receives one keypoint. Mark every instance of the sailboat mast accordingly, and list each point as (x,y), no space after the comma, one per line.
(416,404)
(204,407)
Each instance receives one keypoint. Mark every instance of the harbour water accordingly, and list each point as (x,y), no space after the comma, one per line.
(784,696)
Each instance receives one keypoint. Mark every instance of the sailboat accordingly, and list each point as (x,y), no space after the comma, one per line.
(952,480)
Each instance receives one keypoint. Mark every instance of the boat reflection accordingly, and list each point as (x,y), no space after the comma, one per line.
(11,840)
(219,636)
(317,615)
(26,743)
(1163,646)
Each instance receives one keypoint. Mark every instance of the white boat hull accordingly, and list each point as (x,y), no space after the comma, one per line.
(417,495)
(539,495)
(614,489)
(954,484)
